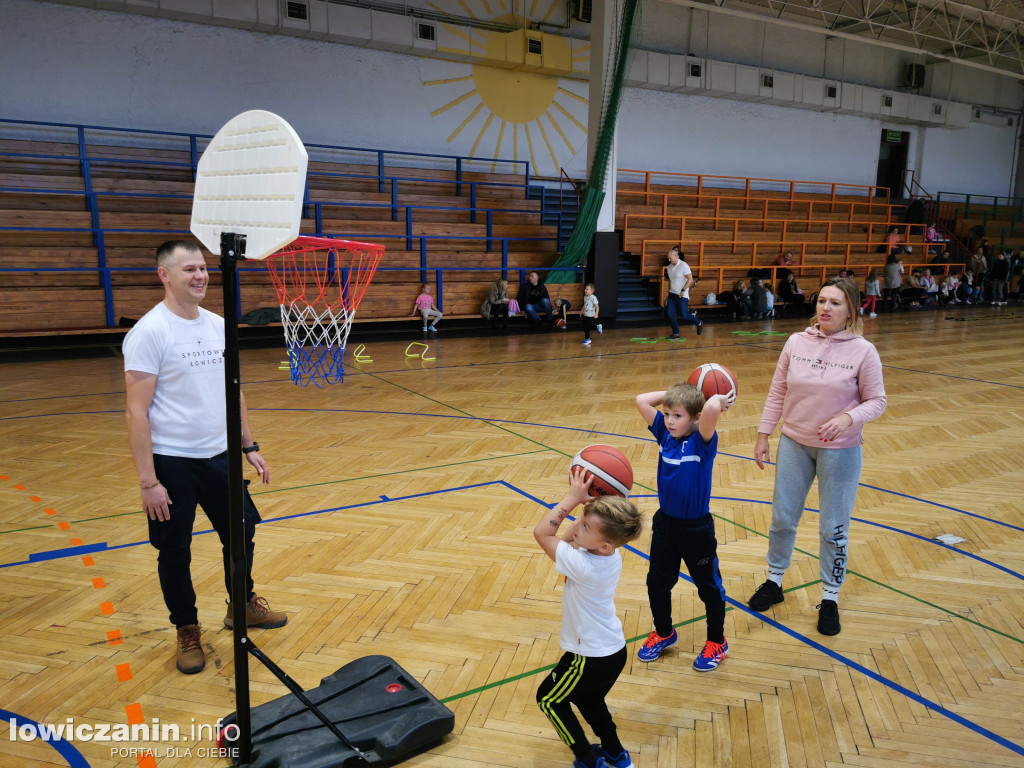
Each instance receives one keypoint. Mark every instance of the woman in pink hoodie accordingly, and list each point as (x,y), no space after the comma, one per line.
(827,385)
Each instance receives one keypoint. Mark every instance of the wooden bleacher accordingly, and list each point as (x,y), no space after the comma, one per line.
(143,197)
(727,231)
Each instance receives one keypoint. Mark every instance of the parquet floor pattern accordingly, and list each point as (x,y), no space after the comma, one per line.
(399,522)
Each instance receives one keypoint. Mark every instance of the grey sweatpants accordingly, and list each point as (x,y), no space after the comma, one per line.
(838,473)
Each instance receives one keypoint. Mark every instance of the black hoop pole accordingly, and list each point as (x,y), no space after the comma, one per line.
(232,248)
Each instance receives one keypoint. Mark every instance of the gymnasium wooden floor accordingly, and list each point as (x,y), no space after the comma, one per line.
(399,522)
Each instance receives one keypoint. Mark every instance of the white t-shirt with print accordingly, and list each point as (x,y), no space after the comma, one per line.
(187,416)
(590,626)
(677,274)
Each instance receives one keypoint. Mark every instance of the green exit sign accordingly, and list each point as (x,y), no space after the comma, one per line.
(894,137)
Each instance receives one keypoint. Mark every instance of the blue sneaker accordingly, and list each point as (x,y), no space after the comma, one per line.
(593,758)
(655,644)
(622,761)
(712,655)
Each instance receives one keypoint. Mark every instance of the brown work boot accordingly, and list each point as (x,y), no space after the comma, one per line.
(259,615)
(190,650)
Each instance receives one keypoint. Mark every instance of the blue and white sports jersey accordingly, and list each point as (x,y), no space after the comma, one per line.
(684,471)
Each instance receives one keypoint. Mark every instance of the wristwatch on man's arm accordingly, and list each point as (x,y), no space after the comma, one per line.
(252,448)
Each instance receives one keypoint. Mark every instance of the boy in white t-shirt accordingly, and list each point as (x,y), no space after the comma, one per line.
(595,647)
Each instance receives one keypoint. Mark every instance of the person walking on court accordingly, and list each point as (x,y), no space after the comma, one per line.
(680,280)
(177,430)
(588,315)
(827,385)
(592,638)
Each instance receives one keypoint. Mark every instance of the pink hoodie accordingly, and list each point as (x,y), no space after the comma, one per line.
(819,377)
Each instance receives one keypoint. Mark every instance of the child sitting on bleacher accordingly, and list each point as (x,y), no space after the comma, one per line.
(769,297)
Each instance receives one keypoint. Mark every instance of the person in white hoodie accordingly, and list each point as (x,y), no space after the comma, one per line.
(827,385)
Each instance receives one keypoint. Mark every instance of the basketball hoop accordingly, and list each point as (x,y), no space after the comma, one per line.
(320,283)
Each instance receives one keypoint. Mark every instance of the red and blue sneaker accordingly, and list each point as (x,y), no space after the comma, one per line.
(655,644)
(712,655)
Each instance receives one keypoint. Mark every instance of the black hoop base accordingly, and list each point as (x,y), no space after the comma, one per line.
(384,715)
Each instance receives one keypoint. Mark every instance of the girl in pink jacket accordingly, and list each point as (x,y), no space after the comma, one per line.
(827,385)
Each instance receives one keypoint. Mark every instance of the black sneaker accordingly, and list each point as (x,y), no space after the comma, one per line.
(828,618)
(767,595)
(700,327)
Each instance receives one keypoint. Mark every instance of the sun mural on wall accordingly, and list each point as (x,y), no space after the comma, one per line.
(507,112)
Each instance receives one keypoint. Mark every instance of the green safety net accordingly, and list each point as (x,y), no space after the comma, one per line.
(578,247)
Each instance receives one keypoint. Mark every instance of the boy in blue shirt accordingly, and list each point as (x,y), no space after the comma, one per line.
(595,647)
(683,529)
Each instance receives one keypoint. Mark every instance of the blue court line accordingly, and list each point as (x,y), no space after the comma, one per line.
(891,684)
(901,531)
(74,758)
(796,635)
(56,554)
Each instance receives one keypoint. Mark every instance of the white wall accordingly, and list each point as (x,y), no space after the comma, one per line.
(698,134)
(978,160)
(70,64)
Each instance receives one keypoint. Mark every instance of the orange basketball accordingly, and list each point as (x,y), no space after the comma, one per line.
(714,379)
(612,472)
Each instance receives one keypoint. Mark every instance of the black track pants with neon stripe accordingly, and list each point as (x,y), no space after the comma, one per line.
(583,681)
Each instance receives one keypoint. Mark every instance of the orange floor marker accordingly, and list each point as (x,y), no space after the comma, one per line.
(88,561)
(51,511)
(19,487)
(77,542)
(99,583)
(147,760)
(64,526)
(134,712)
(106,608)
(124,672)
(34,498)
(4,477)
(114,637)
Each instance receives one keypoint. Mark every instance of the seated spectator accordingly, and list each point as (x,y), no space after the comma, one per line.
(789,292)
(912,290)
(534,299)
(947,291)
(894,243)
(942,258)
(758,299)
(968,291)
(934,239)
(495,306)
(737,300)
(893,277)
(784,262)
(931,288)
(769,298)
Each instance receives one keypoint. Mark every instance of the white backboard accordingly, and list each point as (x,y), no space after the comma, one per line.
(250,181)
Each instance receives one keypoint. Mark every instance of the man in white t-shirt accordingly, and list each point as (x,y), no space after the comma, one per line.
(680,280)
(592,638)
(177,429)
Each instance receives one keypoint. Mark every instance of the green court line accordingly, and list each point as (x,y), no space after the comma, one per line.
(311,485)
(30,528)
(629,641)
